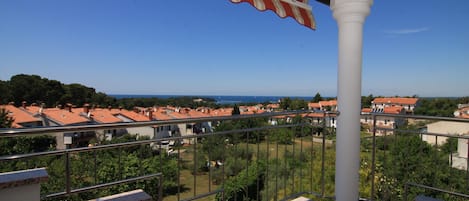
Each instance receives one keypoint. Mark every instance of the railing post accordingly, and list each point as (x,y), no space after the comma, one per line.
(323,157)
(67,173)
(406,189)
(373,159)
(160,186)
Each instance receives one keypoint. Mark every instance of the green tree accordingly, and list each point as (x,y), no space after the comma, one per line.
(317,98)
(366,101)
(5,92)
(283,135)
(450,146)
(298,104)
(243,186)
(285,103)
(5,119)
(235,110)
(28,88)
(54,91)
(409,160)
(439,106)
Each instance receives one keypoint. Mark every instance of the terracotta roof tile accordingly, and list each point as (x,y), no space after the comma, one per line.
(19,115)
(393,110)
(366,110)
(273,106)
(102,115)
(314,105)
(397,100)
(328,103)
(133,115)
(64,117)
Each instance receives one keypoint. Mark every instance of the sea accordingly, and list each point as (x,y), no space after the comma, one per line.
(220,99)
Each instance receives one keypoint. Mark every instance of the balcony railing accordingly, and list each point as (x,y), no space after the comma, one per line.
(247,158)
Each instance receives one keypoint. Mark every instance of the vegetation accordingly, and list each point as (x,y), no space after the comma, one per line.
(443,107)
(317,98)
(37,90)
(91,168)
(293,104)
(405,158)
(235,110)
(5,120)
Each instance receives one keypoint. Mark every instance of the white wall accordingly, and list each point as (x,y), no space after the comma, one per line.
(444,127)
(142,131)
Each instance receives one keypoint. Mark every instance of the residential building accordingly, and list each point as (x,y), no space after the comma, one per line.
(444,127)
(384,122)
(459,159)
(408,104)
(462,112)
(330,105)
(21,117)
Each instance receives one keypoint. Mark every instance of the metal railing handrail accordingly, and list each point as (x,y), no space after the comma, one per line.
(408,184)
(140,142)
(454,119)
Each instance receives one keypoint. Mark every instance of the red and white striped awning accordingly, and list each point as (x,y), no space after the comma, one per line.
(300,10)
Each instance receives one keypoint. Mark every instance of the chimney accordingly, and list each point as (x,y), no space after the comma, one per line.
(136,110)
(24,104)
(11,103)
(120,107)
(41,110)
(109,107)
(86,108)
(150,114)
(69,107)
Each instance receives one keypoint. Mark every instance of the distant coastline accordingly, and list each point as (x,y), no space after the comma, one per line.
(218,99)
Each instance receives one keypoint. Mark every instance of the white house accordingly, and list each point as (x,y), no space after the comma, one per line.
(444,127)
(384,122)
(459,159)
(408,104)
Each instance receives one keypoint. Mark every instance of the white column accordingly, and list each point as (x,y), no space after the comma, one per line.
(350,16)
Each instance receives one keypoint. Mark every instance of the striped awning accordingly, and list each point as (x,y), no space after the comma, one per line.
(300,10)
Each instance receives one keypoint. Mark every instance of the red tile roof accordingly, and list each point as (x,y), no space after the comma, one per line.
(160,113)
(366,110)
(19,115)
(393,110)
(197,114)
(64,116)
(464,113)
(221,112)
(402,101)
(315,115)
(328,103)
(314,105)
(273,106)
(102,115)
(133,115)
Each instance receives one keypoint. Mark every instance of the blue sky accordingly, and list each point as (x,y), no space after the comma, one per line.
(214,47)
